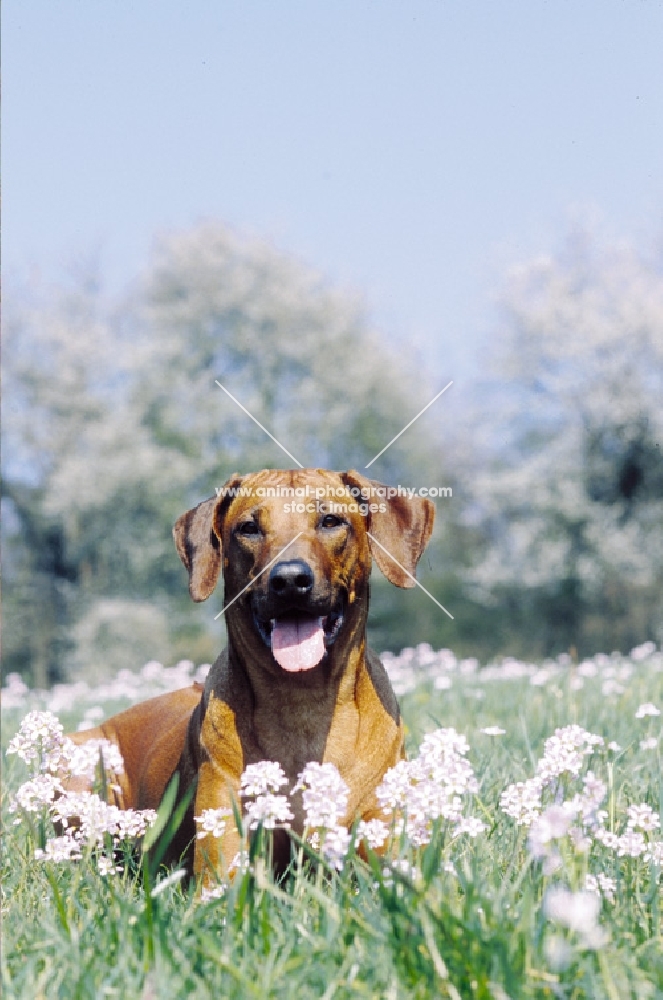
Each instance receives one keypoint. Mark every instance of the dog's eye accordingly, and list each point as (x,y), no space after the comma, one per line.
(331,521)
(248,528)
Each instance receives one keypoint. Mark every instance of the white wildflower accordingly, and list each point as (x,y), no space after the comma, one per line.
(588,802)
(94,713)
(269,811)
(551,825)
(471,826)
(646,709)
(565,751)
(265,776)
(578,911)
(402,867)
(581,842)
(93,819)
(642,652)
(39,740)
(643,817)
(493,731)
(442,745)
(552,862)
(83,761)
(522,801)
(374,832)
(393,790)
(324,795)
(649,744)
(36,794)
(332,845)
(631,844)
(429,787)
(212,822)
(106,865)
(64,848)
(558,952)
(607,838)
(133,823)
(602,885)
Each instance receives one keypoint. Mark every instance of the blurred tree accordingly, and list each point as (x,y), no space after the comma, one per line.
(297,355)
(572,510)
(114,426)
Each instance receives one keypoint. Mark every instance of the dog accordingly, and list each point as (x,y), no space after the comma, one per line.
(296,682)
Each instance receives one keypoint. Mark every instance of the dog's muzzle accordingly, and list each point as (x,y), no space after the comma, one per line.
(289,622)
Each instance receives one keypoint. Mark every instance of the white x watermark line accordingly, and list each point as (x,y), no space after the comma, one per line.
(435,601)
(263,570)
(259,424)
(394,559)
(408,425)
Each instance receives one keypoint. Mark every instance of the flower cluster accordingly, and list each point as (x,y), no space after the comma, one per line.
(127,686)
(414,666)
(577,911)
(39,741)
(263,806)
(417,793)
(413,796)
(564,753)
(84,760)
(565,822)
(324,795)
(261,778)
(325,802)
(212,822)
(636,841)
(86,819)
(269,811)
(646,709)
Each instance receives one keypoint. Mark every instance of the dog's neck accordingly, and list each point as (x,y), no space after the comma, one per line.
(299,706)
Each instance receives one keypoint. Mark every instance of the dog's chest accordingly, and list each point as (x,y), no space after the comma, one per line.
(297,731)
(292,740)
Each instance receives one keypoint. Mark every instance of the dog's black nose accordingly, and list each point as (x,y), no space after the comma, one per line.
(291,579)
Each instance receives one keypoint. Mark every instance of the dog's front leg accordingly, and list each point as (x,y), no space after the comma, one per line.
(219,774)
(216,856)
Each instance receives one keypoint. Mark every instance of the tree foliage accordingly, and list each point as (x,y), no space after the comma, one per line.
(572,508)
(116,426)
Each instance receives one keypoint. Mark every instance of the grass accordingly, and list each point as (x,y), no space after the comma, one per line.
(374,930)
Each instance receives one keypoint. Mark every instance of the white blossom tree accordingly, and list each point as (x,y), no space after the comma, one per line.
(114,425)
(573,509)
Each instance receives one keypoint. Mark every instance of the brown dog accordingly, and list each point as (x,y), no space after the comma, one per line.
(296,682)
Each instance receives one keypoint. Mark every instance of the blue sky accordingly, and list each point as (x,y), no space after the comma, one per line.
(409,150)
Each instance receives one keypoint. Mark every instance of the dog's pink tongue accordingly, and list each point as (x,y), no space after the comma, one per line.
(298,644)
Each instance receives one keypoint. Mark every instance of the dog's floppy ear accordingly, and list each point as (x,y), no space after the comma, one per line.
(398,536)
(197,537)
(199,548)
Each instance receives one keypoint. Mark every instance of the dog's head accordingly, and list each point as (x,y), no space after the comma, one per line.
(296,550)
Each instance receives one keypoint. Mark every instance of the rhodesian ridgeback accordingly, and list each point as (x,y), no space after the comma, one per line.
(296,682)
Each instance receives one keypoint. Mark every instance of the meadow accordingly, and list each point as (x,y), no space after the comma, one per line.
(525,853)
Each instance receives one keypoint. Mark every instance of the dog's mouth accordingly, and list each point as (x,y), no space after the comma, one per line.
(299,641)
